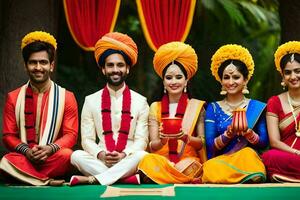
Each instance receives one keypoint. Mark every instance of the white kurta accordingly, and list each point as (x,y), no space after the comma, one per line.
(91,128)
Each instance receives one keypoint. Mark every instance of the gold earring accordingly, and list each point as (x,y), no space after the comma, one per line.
(184,90)
(283,85)
(223,91)
(245,90)
(165,91)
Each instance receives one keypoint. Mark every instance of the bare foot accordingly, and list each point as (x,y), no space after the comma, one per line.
(56,182)
(196,181)
(81,180)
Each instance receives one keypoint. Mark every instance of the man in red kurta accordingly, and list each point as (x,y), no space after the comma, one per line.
(40,119)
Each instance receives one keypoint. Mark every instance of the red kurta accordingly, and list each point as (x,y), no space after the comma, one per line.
(58,163)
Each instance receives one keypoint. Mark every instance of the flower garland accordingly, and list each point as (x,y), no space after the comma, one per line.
(110,143)
(231,52)
(284,49)
(182,103)
(38,36)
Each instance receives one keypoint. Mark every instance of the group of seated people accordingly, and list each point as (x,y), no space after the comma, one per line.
(178,139)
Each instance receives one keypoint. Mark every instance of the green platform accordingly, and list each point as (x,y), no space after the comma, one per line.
(188,192)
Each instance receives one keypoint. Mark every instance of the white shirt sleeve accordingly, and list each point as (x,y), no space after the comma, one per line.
(88,131)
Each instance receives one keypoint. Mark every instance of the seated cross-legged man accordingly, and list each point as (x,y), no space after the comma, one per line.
(116,116)
(40,119)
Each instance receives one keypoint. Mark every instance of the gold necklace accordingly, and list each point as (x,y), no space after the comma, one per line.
(232,107)
(295,119)
(293,102)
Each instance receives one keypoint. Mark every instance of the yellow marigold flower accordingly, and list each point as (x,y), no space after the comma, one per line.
(38,36)
(231,52)
(284,49)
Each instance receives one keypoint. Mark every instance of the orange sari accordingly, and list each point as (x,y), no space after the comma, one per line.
(157,165)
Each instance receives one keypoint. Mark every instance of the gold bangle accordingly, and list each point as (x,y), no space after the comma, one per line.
(150,146)
(202,139)
(188,139)
(228,135)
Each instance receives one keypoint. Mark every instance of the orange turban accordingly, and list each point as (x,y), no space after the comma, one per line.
(176,51)
(117,41)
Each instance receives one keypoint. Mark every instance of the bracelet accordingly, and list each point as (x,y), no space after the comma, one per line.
(252,138)
(22,148)
(187,139)
(150,146)
(202,139)
(54,147)
(297,152)
(228,135)
(162,144)
(219,143)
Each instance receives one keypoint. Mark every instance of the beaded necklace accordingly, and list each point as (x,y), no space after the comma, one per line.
(294,115)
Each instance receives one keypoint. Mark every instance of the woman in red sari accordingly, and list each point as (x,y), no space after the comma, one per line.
(283,116)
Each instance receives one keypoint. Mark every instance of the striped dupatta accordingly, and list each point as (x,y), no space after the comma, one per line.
(189,122)
(51,116)
(289,120)
(287,127)
(157,165)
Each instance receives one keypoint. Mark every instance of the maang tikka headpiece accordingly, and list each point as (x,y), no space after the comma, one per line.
(172,64)
(231,67)
(292,57)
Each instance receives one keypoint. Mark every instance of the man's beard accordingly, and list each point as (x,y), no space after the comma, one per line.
(34,79)
(116,83)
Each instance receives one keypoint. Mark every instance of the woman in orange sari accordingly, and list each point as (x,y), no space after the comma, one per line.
(175,159)
(283,115)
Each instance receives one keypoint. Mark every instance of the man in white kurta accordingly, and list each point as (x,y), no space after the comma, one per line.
(120,146)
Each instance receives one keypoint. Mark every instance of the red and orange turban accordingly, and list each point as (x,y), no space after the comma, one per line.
(176,51)
(117,41)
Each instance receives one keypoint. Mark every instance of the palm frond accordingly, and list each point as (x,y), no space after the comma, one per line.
(209,4)
(233,11)
(255,10)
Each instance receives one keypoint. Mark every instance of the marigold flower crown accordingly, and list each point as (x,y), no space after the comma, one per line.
(38,36)
(231,52)
(284,49)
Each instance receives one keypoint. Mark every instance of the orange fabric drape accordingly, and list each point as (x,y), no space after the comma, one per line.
(165,21)
(88,20)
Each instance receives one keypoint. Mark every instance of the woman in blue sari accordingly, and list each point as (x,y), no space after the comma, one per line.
(232,151)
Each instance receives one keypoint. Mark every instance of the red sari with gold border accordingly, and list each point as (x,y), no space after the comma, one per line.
(281,165)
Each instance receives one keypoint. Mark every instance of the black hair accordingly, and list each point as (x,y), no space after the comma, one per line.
(36,47)
(179,65)
(287,58)
(108,52)
(240,66)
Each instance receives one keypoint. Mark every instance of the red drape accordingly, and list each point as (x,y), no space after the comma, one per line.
(165,21)
(88,20)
